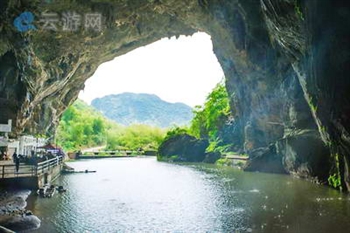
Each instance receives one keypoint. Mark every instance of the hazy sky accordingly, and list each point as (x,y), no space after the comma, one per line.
(177,70)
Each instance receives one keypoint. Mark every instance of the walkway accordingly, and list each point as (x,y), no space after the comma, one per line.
(8,168)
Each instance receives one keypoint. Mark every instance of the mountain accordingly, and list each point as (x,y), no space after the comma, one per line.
(131,108)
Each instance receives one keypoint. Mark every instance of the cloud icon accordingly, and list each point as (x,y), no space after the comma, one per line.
(23,22)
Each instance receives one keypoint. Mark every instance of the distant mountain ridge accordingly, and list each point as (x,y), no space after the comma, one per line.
(131,108)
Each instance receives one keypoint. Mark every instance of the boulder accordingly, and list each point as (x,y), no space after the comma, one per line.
(305,155)
(265,159)
(22,223)
(212,157)
(184,148)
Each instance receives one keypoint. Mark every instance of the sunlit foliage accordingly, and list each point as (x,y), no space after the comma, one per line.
(210,118)
(134,137)
(82,126)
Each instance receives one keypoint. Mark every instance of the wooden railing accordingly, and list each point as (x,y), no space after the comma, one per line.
(9,170)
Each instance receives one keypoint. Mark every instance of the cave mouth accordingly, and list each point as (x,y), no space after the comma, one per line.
(182,69)
(279,59)
(158,85)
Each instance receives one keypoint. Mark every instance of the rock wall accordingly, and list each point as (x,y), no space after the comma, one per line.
(286,64)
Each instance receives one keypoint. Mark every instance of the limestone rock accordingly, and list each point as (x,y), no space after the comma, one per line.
(212,157)
(265,160)
(305,155)
(184,148)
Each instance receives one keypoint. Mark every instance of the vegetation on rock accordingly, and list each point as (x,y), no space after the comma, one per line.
(209,124)
(211,117)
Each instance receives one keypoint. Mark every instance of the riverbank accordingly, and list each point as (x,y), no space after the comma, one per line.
(13,214)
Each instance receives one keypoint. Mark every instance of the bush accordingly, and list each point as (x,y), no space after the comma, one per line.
(224,162)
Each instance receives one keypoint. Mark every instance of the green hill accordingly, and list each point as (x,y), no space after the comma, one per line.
(131,108)
(82,126)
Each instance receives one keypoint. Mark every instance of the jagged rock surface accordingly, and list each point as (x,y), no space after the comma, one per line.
(286,64)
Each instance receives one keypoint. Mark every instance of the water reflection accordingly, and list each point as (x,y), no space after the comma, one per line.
(140,194)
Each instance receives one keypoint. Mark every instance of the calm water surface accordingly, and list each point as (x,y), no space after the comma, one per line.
(143,195)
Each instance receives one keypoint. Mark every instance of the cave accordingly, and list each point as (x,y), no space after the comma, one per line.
(286,64)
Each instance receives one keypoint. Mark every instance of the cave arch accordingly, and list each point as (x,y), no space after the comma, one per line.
(275,55)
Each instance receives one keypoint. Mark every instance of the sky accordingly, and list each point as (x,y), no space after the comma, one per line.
(177,70)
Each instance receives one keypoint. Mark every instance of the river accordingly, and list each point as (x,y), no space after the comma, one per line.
(143,195)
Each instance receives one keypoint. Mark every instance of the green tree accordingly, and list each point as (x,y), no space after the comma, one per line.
(210,118)
(81,126)
(98,126)
(210,121)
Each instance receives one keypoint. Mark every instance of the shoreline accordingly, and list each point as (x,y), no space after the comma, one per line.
(13,213)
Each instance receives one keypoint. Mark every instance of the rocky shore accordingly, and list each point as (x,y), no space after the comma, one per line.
(13,215)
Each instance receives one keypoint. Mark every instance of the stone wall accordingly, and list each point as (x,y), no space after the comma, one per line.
(48,177)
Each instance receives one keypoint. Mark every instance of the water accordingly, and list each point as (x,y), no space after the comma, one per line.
(143,195)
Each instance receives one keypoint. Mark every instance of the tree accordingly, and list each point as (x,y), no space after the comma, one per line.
(81,126)
(210,118)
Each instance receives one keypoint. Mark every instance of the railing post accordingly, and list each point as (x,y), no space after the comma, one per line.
(3,171)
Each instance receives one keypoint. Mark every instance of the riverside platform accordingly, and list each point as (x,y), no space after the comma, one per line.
(30,176)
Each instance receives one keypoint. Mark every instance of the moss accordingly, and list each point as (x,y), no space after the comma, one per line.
(297,9)
(312,105)
(323,131)
(334,179)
